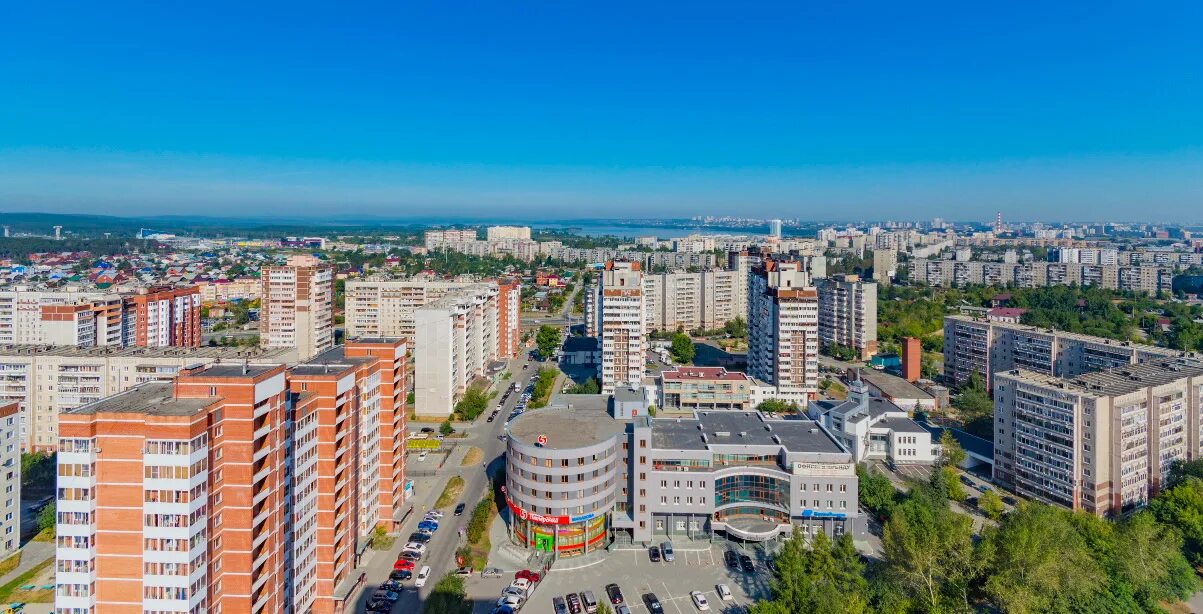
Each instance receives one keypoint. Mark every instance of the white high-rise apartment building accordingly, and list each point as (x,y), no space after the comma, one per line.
(456,339)
(512,233)
(297,308)
(783,330)
(60,317)
(10,479)
(621,325)
(440,238)
(1102,442)
(775,229)
(848,313)
(385,307)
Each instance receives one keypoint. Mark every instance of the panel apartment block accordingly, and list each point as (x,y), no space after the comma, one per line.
(297,309)
(457,340)
(987,347)
(621,325)
(848,313)
(783,330)
(1102,442)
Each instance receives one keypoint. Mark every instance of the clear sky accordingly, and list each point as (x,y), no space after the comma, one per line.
(821,110)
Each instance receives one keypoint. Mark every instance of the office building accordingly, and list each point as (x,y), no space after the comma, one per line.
(46,381)
(706,388)
(1102,442)
(297,309)
(576,475)
(873,428)
(986,347)
(621,325)
(848,314)
(10,479)
(507,233)
(783,330)
(456,341)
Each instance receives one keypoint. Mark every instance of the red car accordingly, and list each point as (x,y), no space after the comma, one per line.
(403,565)
(527,574)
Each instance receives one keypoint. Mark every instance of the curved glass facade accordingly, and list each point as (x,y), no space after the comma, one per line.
(751,489)
(570,540)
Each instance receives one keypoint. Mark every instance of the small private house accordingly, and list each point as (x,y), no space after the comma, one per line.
(873,428)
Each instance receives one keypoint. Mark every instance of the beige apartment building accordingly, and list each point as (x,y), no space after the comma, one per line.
(848,313)
(60,317)
(507,233)
(687,301)
(385,307)
(1148,279)
(621,325)
(297,308)
(456,341)
(987,347)
(46,381)
(1101,442)
(783,330)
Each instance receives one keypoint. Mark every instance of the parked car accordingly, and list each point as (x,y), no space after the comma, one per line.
(745,563)
(1009,500)
(667,550)
(423,455)
(420,537)
(614,593)
(400,575)
(724,593)
(521,584)
(574,603)
(654,554)
(464,572)
(731,559)
(403,565)
(418,547)
(379,605)
(423,574)
(589,601)
(429,525)
(652,603)
(966,481)
(427,429)
(388,596)
(426,532)
(409,555)
(459,509)
(699,600)
(527,574)
(434,514)
(491,417)
(557,604)
(510,600)
(393,585)
(622,609)
(490,572)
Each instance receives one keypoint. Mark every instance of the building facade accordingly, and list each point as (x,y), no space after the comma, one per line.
(848,314)
(10,478)
(706,388)
(783,330)
(1102,442)
(297,308)
(621,325)
(1148,279)
(575,478)
(163,317)
(872,428)
(456,341)
(986,347)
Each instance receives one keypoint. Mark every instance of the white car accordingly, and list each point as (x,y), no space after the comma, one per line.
(521,584)
(700,600)
(724,593)
(422,575)
(513,601)
(418,547)
(423,455)
(434,514)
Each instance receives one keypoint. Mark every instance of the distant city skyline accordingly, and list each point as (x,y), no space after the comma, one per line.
(873,110)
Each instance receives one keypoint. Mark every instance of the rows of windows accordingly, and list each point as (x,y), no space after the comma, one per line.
(155,446)
(751,488)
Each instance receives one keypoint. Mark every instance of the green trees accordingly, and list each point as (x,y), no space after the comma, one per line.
(472,404)
(951,452)
(975,408)
(991,505)
(876,492)
(737,328)
(682,349)
(445,428)
(546,341)
(776,406)
(821,576)
(38,469)
(544,381)
(929,552)
(448,597)
(46,518)
(1181,507)
(590,386)
(840,352)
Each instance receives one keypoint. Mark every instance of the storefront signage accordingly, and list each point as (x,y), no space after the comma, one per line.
(582,517)
(531,516)
(542,440)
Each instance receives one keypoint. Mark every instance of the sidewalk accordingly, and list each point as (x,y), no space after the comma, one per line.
(31,554)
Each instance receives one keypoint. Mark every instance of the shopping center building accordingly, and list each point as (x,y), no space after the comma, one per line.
(578,477)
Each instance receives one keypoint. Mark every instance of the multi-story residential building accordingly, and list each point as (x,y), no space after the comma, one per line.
(621,325)
(439,238)
(297,309)
(163,317)
(456,341)
(873,428)
(46,381)
(783,330)
(987,347)
(385,307)
(226,290)
(509,318)
(848,313)
(10,478)
(255,484)
(575,476)
(1101,442)
(1149,279)
(61,317)
(511,233)
(707,388)
(885,265)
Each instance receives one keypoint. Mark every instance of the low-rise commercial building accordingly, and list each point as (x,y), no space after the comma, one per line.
(873,428)
(1102,442)
(575,476)
(706,388)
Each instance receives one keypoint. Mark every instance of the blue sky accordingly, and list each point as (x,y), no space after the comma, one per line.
(1066,110)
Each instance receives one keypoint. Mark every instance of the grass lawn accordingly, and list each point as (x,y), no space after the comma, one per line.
(46,535)
(473,456)
(10,563)
(451,492)
(11,592)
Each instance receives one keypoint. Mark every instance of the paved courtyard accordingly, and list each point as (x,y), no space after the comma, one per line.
(636,574)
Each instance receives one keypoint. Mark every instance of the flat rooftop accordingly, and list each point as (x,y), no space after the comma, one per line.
(724,427)
(233,370)
(333,360)
(566,428)
(1067,335)
(703,374)
(230,353)
(1119,380)
(892,385)
(152,399)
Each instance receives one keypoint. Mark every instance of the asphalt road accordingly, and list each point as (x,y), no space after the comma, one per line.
(440,555)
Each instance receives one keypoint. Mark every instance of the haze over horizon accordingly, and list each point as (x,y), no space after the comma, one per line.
(865,110)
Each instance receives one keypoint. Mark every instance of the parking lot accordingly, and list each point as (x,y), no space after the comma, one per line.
(635,574)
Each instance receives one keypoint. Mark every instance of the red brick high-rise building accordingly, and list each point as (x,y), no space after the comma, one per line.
(163,317)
